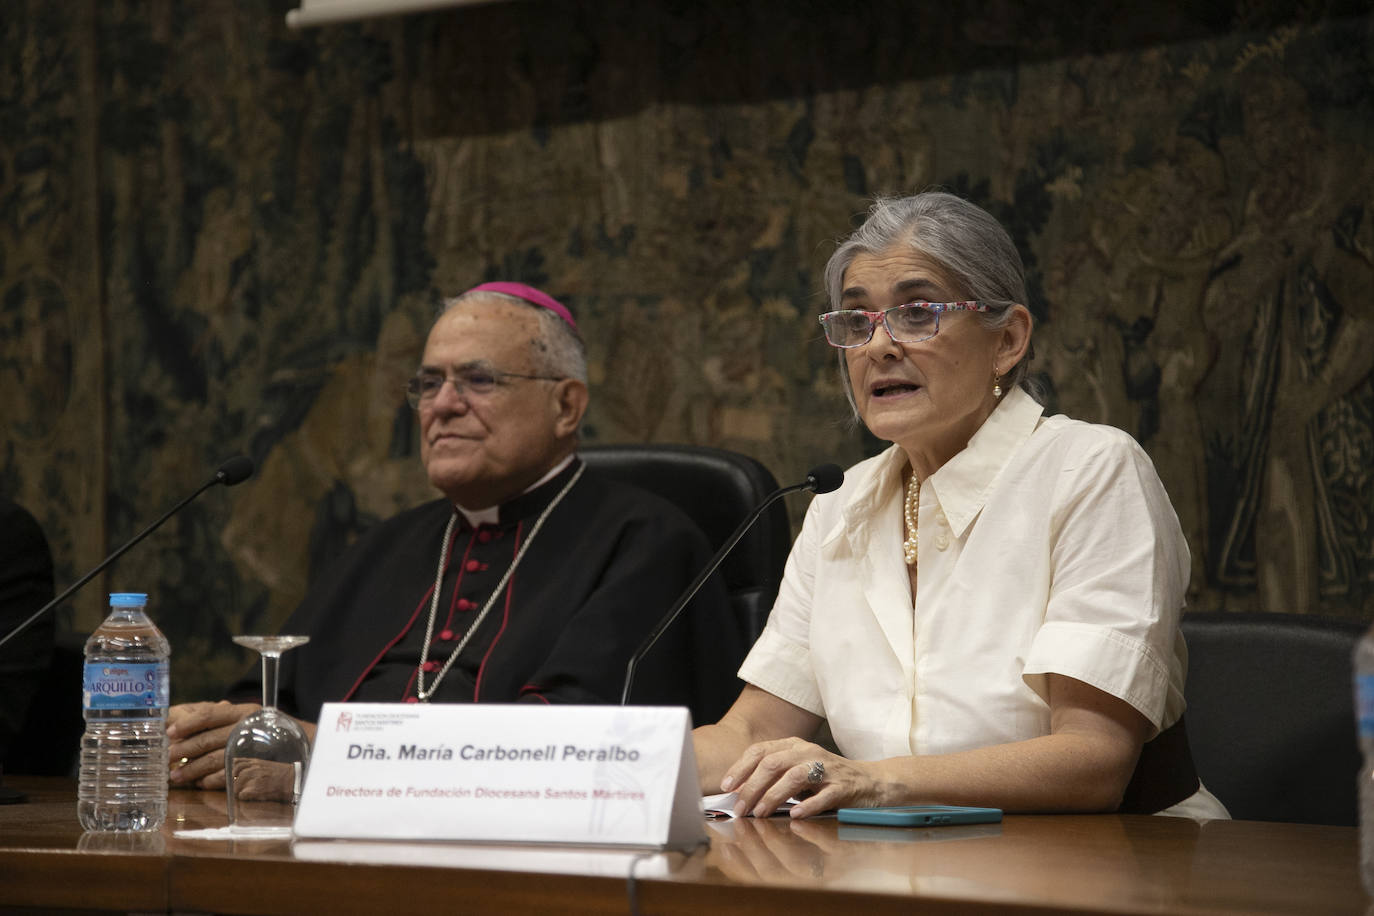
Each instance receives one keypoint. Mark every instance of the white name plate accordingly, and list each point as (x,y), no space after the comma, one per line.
(602,775)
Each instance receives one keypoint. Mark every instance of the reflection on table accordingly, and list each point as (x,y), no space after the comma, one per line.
(1101,863)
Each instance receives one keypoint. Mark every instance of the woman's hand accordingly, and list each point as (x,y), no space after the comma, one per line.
(756,717)
(198,732)
(770,772)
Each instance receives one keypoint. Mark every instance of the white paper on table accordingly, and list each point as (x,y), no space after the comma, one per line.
(723,805)
(235,833)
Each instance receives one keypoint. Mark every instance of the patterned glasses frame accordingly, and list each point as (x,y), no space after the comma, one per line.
(911,322)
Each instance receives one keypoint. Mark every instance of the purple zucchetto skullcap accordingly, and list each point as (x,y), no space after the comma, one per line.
(528,294)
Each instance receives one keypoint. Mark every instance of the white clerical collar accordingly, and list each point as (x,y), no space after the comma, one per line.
(492,514)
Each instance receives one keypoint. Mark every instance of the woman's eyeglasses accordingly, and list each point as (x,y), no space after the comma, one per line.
(909,323)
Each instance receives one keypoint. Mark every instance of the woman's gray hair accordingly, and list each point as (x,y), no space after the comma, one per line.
(558,348)
(964,238)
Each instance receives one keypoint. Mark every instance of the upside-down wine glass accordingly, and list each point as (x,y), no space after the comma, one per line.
(266,754)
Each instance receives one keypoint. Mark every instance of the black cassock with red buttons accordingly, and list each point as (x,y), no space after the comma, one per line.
(605,566)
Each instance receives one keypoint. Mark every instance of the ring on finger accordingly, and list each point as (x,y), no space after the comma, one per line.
(816,772)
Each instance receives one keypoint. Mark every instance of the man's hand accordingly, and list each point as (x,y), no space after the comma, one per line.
(198,732)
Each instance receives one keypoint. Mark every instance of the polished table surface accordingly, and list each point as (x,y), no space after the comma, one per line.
(1092,863)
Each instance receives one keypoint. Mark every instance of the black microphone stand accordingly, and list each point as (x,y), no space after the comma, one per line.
(822,479)
(229,473)
(235,470)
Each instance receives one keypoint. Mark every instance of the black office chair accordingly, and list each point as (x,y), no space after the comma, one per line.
(716,489)
(1271,714)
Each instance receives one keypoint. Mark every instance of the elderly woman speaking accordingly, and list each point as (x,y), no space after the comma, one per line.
(987,612)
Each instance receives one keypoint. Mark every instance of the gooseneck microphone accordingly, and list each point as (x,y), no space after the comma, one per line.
(820,479)
(233,471)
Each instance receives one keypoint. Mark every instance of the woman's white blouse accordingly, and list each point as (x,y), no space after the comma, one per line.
(1047,545)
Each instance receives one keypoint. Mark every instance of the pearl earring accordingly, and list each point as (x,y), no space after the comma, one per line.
(996,383)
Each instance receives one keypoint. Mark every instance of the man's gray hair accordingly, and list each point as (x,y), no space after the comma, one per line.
(964,238)
(558,349)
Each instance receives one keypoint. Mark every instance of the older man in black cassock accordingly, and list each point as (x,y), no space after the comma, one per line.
(532,580)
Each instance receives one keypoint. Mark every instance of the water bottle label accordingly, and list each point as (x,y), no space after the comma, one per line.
(124,685)
(1364,704)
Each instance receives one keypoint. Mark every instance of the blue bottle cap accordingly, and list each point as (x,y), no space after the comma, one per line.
(128,599)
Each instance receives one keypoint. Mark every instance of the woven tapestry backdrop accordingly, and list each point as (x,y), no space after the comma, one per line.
(220,235)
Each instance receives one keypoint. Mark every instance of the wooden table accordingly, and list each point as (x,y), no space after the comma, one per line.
(1099,863)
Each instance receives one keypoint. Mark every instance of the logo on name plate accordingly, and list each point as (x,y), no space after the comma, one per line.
(344,722)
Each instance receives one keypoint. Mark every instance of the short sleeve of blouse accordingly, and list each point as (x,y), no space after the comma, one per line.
(1120,568)
(780,661)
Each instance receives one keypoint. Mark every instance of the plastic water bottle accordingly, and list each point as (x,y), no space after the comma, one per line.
(1364,716)
(123,781)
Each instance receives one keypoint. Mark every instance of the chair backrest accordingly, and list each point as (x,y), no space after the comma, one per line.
(49,742)
(1271,718)
(716,489)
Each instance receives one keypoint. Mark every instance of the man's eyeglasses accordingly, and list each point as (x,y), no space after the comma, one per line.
(424,386)
(909,323)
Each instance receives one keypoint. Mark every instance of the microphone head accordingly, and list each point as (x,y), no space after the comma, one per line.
(235,470)
(824,478)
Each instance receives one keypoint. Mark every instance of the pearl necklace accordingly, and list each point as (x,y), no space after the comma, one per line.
(911,511)
(421,693)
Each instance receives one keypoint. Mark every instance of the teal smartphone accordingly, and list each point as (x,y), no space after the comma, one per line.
(919,815)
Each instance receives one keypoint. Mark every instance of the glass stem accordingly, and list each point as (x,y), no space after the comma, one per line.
(269,678)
